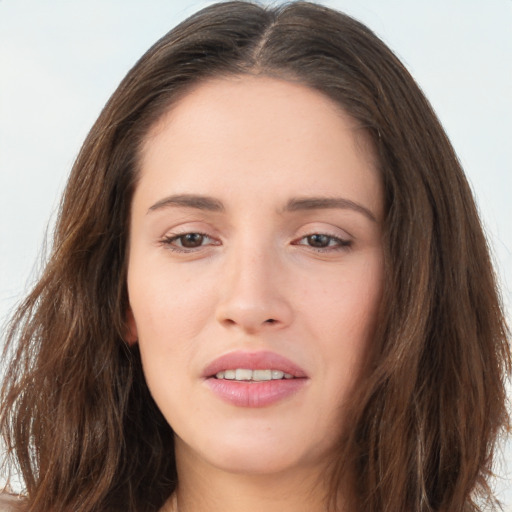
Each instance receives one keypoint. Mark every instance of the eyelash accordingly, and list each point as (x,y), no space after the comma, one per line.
(339,244)
(169,242)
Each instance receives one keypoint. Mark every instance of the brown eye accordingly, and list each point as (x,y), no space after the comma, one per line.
(322,242)
(191,240)
(188,242)
(318,240)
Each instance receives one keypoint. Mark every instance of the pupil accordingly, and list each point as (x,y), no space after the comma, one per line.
(318,240)
(192,240)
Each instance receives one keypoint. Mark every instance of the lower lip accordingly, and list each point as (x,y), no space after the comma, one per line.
(254,394)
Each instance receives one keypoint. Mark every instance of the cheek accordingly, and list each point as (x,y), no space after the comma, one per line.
(346,304)
(343,316)
(167,305)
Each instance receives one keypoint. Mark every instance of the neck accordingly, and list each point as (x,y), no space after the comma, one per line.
(206,488)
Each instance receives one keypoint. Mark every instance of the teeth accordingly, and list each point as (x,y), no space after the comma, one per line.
(261,374)
(243,374)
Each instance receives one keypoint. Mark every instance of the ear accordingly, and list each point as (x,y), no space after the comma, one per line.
(131,335)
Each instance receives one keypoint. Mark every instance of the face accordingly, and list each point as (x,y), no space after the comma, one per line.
(255,268)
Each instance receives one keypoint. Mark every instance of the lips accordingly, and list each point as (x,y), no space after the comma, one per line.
(253,361)
(254,393)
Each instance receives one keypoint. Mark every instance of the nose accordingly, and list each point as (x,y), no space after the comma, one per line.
(253,296)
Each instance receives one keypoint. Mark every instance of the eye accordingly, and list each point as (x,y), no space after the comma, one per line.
(187,242)
(321,241)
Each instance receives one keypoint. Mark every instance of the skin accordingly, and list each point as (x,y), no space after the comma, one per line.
(260,277)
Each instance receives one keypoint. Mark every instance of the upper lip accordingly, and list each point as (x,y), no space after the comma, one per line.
(261,360)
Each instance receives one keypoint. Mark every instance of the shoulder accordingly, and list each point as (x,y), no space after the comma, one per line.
(10,503)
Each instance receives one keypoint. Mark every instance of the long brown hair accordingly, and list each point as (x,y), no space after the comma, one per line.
(76,415)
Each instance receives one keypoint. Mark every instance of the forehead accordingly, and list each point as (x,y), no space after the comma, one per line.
(282,99)
(263,131)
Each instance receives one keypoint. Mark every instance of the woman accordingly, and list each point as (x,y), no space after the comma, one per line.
(269,289)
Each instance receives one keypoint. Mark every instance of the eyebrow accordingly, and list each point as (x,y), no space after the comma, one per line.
(211,204)
(189,201)
(320,203)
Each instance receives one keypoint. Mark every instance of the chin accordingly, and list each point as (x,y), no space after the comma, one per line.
(257,451)
(260,461)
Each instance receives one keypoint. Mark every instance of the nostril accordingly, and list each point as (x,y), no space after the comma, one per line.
(270,321)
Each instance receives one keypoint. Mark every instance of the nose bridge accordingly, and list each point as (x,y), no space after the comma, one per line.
(251,296)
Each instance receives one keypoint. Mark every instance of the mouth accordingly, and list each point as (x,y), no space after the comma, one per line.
(254,379)
(248,375)
(253,366)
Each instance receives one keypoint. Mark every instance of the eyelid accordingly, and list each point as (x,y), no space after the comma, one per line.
(183,226)
(324,228)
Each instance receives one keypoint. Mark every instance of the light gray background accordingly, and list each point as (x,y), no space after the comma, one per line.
(61,60)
